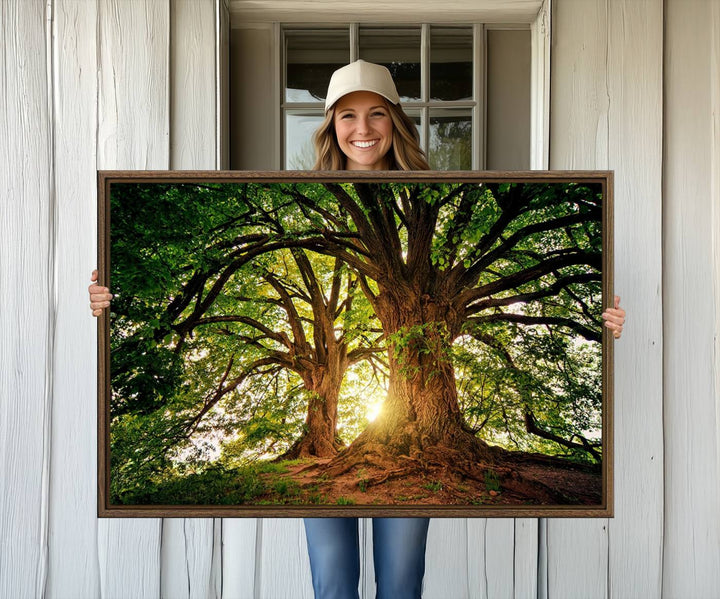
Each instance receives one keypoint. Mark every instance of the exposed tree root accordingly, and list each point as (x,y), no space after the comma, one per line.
(308,447)
(388,475)
(459,456)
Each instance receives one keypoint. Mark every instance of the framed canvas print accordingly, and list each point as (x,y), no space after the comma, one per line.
(355,344)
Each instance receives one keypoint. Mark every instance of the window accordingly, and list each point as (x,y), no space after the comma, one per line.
(436,70)
(468,88)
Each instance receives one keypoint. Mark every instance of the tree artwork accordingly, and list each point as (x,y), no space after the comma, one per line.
(382,342)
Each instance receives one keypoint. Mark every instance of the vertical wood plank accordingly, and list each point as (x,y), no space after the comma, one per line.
(577,558)
(542,567)
(133,126)
(239,558)
(447,559)
(187,558)
(129,558)
(73,563)
(609,90)
(477,558)
(692,399)
(526,544)
(193,85)
(579,96)
(26,302)
(577,550)
(635,89)
(502,557)
(216,569)
(187,544)
(283,567)
(491,556)
(133,132)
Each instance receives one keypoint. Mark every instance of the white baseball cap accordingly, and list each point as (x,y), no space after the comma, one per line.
(361,76)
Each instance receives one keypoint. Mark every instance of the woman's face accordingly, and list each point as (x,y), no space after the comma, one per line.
(364,130)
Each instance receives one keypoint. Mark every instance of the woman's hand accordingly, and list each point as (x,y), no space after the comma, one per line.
(615,318)
(99,296)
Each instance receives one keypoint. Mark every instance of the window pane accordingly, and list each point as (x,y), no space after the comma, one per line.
(451,56)
(311,57)
(414,115)
(399,50)
(450,139)
(299,149)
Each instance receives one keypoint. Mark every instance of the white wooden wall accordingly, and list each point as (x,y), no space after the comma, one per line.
(607,112)
(86,85)
(691,300)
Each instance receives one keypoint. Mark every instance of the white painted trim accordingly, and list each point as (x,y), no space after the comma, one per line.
(354,42)
(480,94)
(425,86)
(509,26)
(369,11)
(715,194)
(223,43)
(218,6)
(264,26)
(540,89)
(278,131)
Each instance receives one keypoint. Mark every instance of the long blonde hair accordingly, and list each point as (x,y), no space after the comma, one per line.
(405,154)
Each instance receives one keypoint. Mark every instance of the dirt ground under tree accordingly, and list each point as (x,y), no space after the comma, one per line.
(513,479)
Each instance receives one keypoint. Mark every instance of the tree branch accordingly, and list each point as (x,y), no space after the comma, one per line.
(560,284)
(580,329)
(280,337)
(520,277)
(485,259)
(532,427)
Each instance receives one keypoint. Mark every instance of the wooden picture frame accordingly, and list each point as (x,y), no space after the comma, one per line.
(261,315)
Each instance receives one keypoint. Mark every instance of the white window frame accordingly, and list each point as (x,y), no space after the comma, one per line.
(539,23)
(476,106)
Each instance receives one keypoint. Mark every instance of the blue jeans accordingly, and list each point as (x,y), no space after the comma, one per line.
(398,552)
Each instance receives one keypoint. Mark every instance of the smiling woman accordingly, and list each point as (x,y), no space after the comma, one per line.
(363,107)
(364,130)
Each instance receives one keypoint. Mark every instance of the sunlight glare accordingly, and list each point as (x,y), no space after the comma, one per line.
(373,410)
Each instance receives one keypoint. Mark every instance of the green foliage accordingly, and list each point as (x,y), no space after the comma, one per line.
(212,289)
(212,485)
(286,487)
(554,377)
(362,483)
(492,481)
(450,144)
(434,486)
(411,343)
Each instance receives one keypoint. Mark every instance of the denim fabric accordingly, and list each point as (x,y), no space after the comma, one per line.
(398,552)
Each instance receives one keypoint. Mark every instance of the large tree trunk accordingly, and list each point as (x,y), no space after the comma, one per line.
(319,438)
(420,421)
